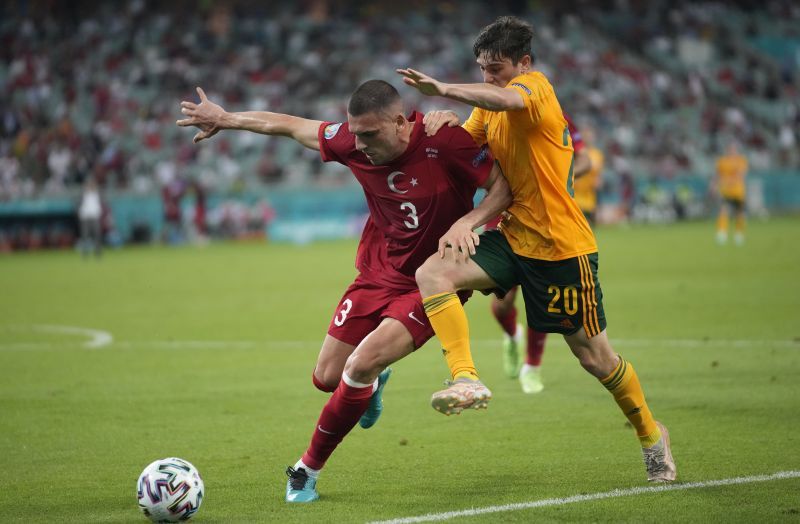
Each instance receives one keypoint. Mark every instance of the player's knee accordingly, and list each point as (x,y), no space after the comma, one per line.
(590,364)
(431,277)
(323,381)
(423,275)
(365,367)
(597,363)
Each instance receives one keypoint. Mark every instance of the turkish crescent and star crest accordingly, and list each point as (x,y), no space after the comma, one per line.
(393,186)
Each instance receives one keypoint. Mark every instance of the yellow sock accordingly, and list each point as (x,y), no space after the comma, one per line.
(449,321)
(722,222)
(623,383)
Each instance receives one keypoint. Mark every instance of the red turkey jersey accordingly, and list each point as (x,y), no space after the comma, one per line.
(412,200)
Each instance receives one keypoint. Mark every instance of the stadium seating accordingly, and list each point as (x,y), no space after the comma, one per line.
(93,89)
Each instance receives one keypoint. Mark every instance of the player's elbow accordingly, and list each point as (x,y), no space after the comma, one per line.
(502,192)
(507,197)
(512,100)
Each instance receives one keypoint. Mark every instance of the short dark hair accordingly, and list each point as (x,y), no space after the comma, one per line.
(506,37)
(372,96)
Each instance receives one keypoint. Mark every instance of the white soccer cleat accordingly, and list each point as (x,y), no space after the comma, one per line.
(658,459)
(462,393)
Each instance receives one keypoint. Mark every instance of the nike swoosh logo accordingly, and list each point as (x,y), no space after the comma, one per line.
(415,319)
(326,432)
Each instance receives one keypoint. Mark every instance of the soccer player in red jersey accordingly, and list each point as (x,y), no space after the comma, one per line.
(419,191)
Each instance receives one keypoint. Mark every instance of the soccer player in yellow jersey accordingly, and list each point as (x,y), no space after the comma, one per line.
(587,185)
(544,245)
(731,170)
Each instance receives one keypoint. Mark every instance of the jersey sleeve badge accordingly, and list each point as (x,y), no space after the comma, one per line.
(481,157)
(331,130)
(523,87)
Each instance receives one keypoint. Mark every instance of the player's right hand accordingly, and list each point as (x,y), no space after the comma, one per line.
(435,120)
(462,241)
(206,116)
(427,85)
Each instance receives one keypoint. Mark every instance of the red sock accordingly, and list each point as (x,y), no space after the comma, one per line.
(338,417)
(508,321)
(321,385)
(535,347)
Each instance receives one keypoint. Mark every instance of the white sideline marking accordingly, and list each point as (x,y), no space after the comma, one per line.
(191,344)
(432,517)
(97,338)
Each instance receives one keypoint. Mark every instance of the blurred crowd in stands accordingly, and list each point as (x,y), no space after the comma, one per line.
(92,89)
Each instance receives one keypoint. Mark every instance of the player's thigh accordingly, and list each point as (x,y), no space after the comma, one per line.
(331,360)
(563,296)
(356,315)
(499,265)
(439,274)
(388,343)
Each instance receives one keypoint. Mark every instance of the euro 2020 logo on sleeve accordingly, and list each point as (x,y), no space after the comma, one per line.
(331,130)
(482,155)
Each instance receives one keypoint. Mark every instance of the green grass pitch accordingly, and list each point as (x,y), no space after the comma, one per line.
(213,350)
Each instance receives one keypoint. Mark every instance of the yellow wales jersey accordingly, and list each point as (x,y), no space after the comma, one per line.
(587,185)
(731,170)
(534,149)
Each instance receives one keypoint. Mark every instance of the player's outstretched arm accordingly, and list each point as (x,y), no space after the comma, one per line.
(461,236)
(486,96)
(210,118)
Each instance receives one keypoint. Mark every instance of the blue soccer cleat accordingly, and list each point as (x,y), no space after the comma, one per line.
(301,487)
(373,412)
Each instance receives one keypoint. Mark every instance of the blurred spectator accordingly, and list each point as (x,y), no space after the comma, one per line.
(89,89)
(90,212)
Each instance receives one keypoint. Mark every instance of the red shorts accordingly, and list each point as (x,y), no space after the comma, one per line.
(365,304)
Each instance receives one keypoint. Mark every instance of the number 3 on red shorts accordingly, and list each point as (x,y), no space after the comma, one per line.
(346,306)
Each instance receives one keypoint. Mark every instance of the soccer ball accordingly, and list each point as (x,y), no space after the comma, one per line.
(170,490)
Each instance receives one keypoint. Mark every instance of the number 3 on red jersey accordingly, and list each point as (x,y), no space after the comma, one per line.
(408,206)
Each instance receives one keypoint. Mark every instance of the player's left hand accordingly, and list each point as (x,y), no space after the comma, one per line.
(462,241)
(425,84)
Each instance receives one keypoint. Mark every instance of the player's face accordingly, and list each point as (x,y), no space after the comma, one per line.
(377,136)
(499,71)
